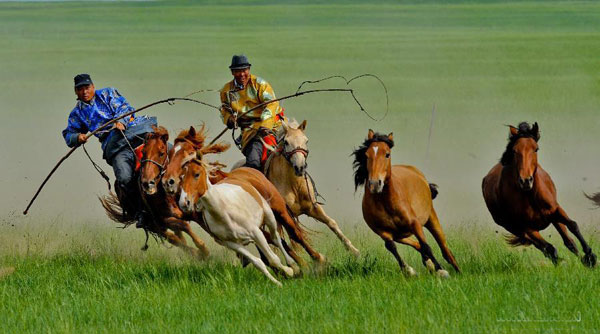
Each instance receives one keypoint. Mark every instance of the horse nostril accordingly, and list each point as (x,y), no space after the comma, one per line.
(171,181)
(145,185)
(151,183)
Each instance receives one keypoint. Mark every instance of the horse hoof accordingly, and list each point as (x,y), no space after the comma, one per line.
(297,270)
(443,274)
(289,272)
(355,251)
(589,260)
(430,266)
(409,271)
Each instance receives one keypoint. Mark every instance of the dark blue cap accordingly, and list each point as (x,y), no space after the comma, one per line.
(239,62)
(82,80)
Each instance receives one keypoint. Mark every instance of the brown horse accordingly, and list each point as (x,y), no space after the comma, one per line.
(398,202)
(163,208)
(190,143)
(521,197)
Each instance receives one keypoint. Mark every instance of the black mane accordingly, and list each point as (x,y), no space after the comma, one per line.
(525,130)
(360,158)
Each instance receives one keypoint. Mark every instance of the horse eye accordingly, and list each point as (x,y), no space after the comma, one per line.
(537,149)
(161,154)
(197,175)
(387,155)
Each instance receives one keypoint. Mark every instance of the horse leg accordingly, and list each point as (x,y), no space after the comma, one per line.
(564,234)
(391,247)
(540,243)
(319,214)
(174,240)
(261,242)
(426,254)
(179,234)
(434,227)
(183,225)
(271,223)
(296,235)
(288,249)
(257,262)
(589,259)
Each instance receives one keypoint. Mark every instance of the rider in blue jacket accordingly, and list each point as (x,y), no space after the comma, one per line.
(96,107)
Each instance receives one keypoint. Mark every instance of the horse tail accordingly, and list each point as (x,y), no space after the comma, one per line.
(114,211)
(434,190)
(594,198)
(515,241)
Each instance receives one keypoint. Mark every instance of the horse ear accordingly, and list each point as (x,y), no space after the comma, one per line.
(536,131)
(192,132)
(302,126)
(370,135)
(165,137)
(391,136)
(198,155)
(285,125)
(513,131)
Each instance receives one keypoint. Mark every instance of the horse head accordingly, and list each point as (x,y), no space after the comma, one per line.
(521,153)
(189,145)
(183,151)
(154,159)
(194,184)
(372,162)
(295,148)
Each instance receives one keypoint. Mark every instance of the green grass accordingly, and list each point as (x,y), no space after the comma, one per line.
(109,286)
(482,63)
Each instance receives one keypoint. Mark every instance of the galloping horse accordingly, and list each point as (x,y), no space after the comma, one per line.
(233,212)
(163,208)
(287,171)
(398,202)
(186,148)
(521,197)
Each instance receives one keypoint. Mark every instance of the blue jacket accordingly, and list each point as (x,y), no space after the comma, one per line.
(106,105)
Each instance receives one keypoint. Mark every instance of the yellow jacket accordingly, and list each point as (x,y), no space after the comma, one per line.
(257,91)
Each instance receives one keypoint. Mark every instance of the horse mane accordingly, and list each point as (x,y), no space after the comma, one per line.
(361,173)
(293,123)
(525,130)
(196,137)
(159,131)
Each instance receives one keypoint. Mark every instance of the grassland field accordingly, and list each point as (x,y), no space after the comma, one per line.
(482,64)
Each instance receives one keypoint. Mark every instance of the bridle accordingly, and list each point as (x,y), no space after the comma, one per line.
(160,166)
(288,155)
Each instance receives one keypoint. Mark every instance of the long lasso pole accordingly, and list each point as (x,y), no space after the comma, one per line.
(289,97)
(170,100)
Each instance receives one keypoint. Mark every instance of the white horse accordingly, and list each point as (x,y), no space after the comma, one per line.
(234,212)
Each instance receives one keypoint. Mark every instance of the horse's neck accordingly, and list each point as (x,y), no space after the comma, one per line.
(213,197)
(285,170)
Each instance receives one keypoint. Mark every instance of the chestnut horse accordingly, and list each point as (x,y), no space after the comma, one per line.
(186,148)
(521,197)
(287,171)
(163,208)
(234,212)
(398,202)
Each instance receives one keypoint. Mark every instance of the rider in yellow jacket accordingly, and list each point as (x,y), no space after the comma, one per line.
(241,94)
